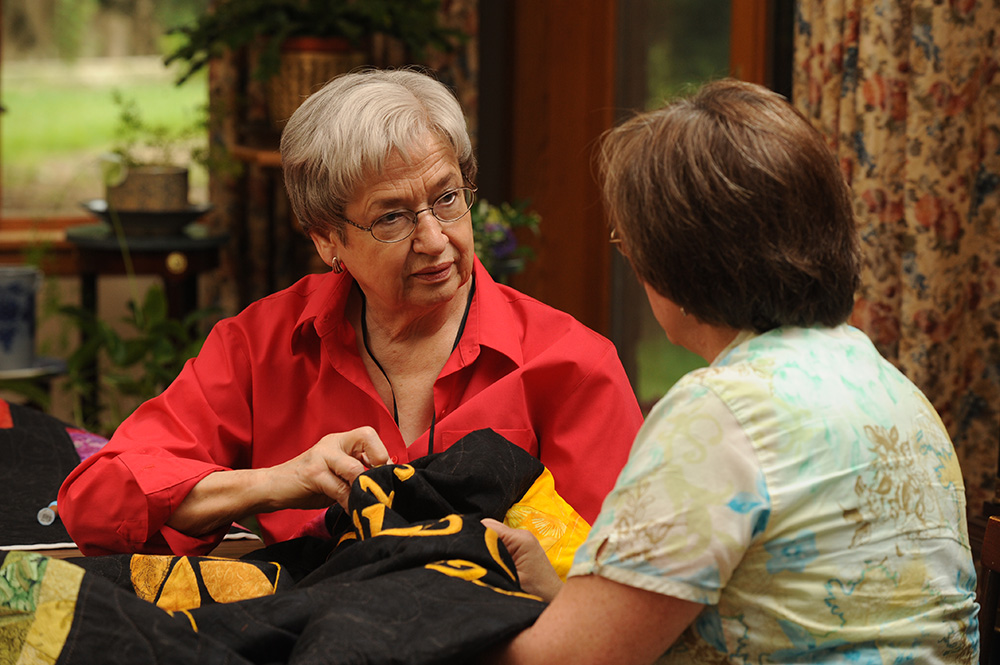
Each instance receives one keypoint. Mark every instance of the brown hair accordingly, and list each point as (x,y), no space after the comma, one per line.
(730,204)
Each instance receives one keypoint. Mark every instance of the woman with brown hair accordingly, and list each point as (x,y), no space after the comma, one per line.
(798,500)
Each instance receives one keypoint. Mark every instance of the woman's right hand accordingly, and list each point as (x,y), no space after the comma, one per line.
(318,478)
(323,475)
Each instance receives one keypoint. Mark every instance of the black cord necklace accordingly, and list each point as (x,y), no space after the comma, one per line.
(364,339)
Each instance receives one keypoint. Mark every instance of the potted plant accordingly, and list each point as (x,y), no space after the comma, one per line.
(131,366)
(146,188)
(495,229)
(300,44)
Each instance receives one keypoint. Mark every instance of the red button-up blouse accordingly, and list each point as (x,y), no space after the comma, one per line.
(273,380)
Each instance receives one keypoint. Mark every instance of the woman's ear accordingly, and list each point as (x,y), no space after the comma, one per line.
(326,243)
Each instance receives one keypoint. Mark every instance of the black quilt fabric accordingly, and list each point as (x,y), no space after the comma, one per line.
(410,577)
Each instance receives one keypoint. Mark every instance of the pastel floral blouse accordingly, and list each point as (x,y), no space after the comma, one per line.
(807,493)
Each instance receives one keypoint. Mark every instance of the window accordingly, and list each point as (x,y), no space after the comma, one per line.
(62,60)
(666,47)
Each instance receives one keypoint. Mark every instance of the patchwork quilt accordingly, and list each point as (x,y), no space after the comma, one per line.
(409,575)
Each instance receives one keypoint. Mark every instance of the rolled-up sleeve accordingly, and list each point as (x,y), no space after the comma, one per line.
(120,498)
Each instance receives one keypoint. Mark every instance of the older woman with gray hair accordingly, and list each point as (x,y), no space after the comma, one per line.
(401,349)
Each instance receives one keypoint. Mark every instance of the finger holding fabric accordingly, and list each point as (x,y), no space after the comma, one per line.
(324,473)
(534,569)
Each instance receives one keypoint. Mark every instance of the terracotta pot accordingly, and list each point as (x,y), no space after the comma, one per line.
(306,64)
(150,189)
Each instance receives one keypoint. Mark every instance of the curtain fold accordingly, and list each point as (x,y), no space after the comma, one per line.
(908,94)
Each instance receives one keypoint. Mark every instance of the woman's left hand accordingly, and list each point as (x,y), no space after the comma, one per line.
(536,573)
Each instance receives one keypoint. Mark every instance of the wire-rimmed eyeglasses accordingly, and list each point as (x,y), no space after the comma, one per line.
(398,225)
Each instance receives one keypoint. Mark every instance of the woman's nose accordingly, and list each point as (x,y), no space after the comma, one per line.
(429,236)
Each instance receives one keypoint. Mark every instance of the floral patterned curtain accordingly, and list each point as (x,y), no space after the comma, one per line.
(908,93)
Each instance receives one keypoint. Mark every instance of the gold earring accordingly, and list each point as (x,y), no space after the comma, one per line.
(337,265)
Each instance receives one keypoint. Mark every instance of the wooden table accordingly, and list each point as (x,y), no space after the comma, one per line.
(229,548)
(178,260)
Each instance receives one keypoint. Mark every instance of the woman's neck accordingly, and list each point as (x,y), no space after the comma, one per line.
(387,327)
(706,340)
(405,355)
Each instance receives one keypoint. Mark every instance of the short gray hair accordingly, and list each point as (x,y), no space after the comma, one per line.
(342,135)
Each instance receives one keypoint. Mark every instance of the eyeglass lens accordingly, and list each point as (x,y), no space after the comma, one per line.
(399,224)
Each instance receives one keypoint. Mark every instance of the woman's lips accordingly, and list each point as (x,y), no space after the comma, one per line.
(437,273)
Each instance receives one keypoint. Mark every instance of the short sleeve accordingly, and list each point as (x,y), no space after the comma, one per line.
(687,505)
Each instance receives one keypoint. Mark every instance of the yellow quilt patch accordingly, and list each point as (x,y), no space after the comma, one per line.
(558,527)
(178,583)
(52,586)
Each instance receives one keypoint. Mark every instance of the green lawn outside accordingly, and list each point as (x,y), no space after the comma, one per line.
(44,122)
(660,365)
(60,118)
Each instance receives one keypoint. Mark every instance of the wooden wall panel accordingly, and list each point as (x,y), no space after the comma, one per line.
(563,100)
(749,52)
